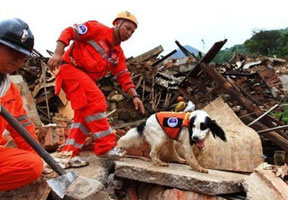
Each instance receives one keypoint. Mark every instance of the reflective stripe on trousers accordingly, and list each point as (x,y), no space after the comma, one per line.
(89,115)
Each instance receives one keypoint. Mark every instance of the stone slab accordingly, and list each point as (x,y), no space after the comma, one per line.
(179,176)
(243,150)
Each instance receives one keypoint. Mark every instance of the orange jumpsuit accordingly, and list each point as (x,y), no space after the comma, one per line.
(87,60)
(18,167)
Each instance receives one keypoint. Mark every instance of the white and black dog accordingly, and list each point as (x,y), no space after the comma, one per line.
(162,129)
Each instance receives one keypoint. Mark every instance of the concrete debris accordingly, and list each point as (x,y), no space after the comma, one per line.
(250,86)
(180,176)
(264,184)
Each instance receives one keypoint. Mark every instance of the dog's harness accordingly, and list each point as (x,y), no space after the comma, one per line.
(172,122)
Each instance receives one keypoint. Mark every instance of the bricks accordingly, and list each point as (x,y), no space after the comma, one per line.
(55,136)
(131,192)
(141,150)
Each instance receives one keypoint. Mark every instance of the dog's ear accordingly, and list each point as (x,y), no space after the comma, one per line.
(216,129)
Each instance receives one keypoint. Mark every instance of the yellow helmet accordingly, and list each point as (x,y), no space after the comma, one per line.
(126,15)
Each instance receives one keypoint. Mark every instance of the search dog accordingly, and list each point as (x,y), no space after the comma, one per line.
(163,128)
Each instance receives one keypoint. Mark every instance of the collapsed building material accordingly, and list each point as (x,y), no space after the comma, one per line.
(185,51)
(98,170)
(235,154)
(28,100)
(37,190)
(249,89)
(165,57)
(180,176)
(158,192)
(143,57)
(223,84)
(241,140)
(264,184)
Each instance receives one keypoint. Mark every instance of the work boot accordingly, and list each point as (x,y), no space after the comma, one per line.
(114,154)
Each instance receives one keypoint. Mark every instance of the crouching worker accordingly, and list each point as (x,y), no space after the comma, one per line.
(18,166)
(95,51)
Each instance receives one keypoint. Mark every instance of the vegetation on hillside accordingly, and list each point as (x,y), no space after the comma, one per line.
(262,43)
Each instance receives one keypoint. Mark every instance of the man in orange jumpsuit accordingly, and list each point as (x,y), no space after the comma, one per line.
(18,167)
(95,52)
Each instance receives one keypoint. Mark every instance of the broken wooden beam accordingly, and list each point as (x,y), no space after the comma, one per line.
(237,96)
(228,87)
(185,51)
(164,58)
(207,58)
(272,135)
(152,53)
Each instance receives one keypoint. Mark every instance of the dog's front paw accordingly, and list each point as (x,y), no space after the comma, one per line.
(161,164)
(202,170)
(199,169)
(182,161)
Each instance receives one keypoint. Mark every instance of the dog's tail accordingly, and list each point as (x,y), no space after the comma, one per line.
(132,138)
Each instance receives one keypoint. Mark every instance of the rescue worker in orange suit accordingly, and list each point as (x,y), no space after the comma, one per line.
(95,52)
(18,166)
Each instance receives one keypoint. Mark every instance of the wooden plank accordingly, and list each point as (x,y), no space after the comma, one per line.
(148,54)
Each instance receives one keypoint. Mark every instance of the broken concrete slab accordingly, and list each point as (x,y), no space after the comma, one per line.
(264,184)
(241,153)
(98,168)
(97,171)
(179,176)
(95,191)
(243,150)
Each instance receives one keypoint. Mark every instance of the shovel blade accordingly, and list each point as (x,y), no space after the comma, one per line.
(60,184)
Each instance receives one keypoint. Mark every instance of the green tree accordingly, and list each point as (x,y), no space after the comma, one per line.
(264,42)
(283,47)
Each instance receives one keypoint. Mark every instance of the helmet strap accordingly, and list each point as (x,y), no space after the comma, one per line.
(118,29)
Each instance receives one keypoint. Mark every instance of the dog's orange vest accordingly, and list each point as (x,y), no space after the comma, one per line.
(172,122)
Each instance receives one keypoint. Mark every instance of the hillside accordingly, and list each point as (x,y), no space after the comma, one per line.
(262,43)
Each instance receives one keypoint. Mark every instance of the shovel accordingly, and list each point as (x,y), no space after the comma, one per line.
(60,184)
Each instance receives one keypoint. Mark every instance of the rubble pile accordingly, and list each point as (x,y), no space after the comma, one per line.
(253,87)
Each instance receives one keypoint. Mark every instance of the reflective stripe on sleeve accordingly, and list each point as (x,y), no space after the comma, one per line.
(22,117)
(27,123)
